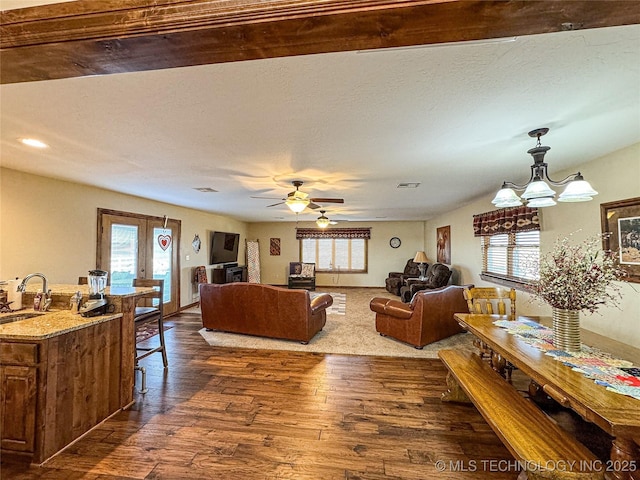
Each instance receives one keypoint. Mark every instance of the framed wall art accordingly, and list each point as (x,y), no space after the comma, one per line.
(621,226)
(443,244)
(274,246)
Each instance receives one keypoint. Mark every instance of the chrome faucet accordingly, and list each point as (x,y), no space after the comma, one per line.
(46,300)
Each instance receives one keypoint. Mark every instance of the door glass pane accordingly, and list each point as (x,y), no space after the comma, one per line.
(124,255)
(162,258)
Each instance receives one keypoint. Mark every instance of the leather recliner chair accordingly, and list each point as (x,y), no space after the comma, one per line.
(438,275)
(396,280)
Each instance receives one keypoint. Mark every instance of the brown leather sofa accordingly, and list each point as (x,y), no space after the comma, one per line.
(263,310)
(427,319)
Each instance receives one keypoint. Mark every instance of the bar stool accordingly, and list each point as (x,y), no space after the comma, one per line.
(149,313)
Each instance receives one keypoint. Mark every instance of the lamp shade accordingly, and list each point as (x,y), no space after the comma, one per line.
(296,205)
(322,222)
(420,257)
(506,197)
(541,202)
(537,189)
(577,191)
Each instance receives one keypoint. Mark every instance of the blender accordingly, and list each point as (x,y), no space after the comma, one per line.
(97,303)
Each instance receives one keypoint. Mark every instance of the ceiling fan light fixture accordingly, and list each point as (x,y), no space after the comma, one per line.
(537,191)
(322,221)
(297,205)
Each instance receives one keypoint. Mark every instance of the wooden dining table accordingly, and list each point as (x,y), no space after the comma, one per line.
(616,414)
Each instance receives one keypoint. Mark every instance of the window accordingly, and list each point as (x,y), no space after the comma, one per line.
(511,257)
(344,255)
(510,245)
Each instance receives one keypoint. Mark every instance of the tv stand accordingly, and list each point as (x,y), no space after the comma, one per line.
(229,273)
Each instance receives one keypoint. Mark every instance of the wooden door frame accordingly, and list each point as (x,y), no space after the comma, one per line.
(175,261)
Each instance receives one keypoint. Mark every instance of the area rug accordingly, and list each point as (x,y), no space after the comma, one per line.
(339,306)
(353,333)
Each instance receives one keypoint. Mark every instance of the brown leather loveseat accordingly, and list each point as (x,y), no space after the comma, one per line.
(427,319)
(263,310)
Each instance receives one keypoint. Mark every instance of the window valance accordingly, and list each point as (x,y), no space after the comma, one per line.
(506,220)
(333,233)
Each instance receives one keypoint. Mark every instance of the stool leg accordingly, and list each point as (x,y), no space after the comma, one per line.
(164,348)
(144,388)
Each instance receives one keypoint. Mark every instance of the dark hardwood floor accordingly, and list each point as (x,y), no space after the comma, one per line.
(247,414)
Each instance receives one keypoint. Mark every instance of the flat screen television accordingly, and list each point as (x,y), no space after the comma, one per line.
(224,247)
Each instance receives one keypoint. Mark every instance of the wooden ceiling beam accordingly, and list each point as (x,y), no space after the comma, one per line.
(103,37)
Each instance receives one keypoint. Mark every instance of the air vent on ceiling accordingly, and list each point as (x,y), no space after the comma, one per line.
(408,185)
(205,189)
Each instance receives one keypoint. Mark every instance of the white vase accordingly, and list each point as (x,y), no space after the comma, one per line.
(566,329)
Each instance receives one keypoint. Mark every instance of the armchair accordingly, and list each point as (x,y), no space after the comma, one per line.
(427,319)
(396,280)
(438,275)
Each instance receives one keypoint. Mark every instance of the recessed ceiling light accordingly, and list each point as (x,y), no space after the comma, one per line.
(32,142)
(408,185)
(205,189)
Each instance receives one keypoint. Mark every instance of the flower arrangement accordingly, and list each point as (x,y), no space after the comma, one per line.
(578,277)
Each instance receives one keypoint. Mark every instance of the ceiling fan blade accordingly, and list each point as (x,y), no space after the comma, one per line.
(313,206)
(328,200)
(267,198)
(279,203)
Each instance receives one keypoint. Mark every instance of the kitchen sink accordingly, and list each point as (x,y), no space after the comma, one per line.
(17,317)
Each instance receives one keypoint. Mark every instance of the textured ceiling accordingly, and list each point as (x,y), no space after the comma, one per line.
(352,125)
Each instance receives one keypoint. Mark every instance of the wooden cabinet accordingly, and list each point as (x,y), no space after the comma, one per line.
(308,283)
(56,389)
(18,396)
(229,274)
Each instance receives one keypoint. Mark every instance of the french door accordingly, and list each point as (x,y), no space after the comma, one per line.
(139,246)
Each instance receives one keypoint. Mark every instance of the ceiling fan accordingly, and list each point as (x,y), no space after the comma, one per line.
(297,201)
(323,221)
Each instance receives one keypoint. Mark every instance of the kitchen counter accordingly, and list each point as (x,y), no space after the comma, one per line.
(62,374)
(48,324)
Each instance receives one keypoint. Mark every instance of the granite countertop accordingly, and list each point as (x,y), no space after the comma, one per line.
(70,289)
(49,324)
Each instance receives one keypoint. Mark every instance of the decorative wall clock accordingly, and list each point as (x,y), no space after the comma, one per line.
(395,242)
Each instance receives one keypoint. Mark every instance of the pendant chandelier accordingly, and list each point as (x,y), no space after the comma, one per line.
(537,192)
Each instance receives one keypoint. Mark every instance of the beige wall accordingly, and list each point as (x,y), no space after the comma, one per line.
(382,258)
(615,177)
(49,226)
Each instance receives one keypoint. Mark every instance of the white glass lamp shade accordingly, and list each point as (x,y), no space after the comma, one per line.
(506,197)
(296,205)
(541,202)
(577,191)
(538,189)
(322,222)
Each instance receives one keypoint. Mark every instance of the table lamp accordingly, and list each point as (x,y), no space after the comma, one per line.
(421,259)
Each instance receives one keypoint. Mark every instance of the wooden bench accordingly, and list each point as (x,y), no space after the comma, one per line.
(543,449)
